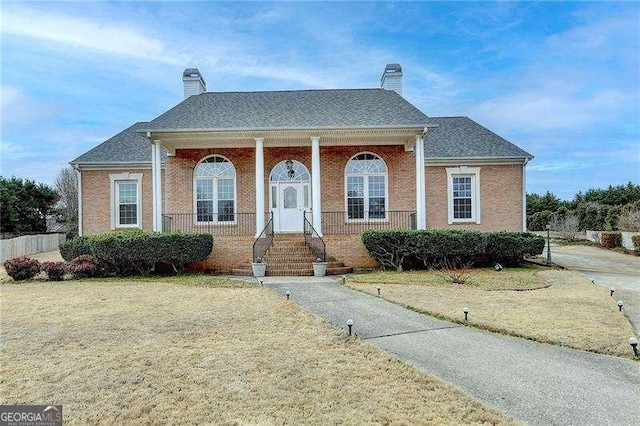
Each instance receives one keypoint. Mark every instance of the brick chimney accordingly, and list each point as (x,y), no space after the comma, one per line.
(193,82)
(392,78)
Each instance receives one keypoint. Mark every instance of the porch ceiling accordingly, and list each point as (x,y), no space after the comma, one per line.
(173,140)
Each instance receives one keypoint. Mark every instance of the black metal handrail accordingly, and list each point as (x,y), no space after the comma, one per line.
(314,241)
(339,223)
(264,241)
(228,224)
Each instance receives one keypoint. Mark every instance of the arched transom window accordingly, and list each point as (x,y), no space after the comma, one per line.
(366,181)
(215,182)
(289,170)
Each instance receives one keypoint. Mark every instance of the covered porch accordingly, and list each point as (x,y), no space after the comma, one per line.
(329,186)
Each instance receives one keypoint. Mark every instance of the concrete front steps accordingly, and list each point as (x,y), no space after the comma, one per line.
(290,256)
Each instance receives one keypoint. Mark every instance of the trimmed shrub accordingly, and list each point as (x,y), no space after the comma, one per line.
(611,239)
(55,270)
(84,266)
(179,250)
(22,268)
(136,252)
(390,248)
(402,250)
(75,247)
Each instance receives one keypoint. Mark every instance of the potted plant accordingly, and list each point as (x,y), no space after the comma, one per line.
(259,267)
(319,268)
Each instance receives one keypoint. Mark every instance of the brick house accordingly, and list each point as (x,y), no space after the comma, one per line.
(263,171)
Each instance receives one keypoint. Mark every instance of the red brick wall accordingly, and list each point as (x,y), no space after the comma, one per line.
(96,202)
(350,250)
(500,187)
(179,185)
(229,252)
(500,198)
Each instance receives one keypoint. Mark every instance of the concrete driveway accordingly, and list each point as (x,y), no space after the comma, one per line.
(608,269)
(532,382)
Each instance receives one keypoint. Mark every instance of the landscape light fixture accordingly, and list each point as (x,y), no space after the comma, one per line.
(592,280)
(548,263)
(612,290)
(344,280)
(620,304)
(288,293)
(378,291)
(634,345)
(466,312)
(349,324)
(497,267)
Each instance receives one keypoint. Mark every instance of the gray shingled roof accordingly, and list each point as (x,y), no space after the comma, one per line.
(455,137)
(359,108)
(461,137)
(128,146)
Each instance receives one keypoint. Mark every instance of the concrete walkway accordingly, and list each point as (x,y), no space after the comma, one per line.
(532,382)
(608,269)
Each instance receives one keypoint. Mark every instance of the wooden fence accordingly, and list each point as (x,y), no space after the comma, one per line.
(29,244)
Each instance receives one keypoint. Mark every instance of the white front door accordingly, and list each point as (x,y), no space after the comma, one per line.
(291,206)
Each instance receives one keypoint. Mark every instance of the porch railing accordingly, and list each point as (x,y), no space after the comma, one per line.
(314,241)
(264,241)
(339,223)
(234,224)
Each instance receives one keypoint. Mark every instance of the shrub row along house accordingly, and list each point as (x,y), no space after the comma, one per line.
(290,176)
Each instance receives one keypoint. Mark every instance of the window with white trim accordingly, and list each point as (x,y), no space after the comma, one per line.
(126,200)
(366,187)
(463,193)
(215,190)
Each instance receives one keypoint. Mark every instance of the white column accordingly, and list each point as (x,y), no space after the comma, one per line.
(524,196)
(158,182)
(421,217)
(79,175)
(156,186)
(259,185)
(316,203)
(153,185)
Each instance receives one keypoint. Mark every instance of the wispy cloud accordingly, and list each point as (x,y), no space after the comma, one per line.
(90,34)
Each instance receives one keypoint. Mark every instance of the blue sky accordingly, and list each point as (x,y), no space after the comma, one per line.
(561,80)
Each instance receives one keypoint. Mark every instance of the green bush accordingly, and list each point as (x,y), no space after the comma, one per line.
(136,252)
(538,221)
(401,250)
(54,270)
(22,268)
(75,247)
(611,239)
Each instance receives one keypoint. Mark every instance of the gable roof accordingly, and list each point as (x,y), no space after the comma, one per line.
(453,138)
(128,146)
(461,137)
(294,109)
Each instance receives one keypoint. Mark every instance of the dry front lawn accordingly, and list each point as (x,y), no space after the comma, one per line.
(551,306)
(164,352)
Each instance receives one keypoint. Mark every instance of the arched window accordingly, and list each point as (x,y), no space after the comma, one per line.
(215,182)
(366,187)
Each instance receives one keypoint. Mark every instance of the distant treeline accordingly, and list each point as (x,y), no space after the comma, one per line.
(610,209)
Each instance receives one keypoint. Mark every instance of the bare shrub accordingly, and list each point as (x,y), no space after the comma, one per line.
(457,272)
(566,225)
(629,220)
